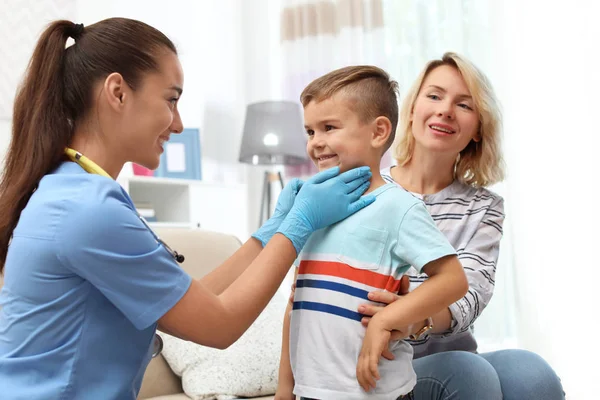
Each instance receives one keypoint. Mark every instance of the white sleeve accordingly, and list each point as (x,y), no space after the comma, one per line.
(479,258)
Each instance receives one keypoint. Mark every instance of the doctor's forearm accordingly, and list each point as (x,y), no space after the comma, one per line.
(248,295)
(218,321)
(221,277)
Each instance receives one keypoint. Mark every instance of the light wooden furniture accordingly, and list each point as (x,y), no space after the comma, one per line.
(185,203)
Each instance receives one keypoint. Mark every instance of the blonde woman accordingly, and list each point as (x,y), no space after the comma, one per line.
(448,152)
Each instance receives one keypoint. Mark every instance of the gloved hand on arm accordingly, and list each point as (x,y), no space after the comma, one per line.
(283,207)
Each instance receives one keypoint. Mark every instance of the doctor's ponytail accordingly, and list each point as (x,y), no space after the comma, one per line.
(57,92)
(40,128)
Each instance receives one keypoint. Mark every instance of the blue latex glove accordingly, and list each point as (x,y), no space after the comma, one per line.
(283,207)
(326,198)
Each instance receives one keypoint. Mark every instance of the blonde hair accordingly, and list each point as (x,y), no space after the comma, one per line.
(479,164)
(372,92)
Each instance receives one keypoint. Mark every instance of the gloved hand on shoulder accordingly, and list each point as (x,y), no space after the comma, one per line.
(324,199)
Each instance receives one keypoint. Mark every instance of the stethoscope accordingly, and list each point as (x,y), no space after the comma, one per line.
(93,168)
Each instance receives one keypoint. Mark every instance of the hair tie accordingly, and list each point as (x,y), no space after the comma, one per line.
(77,31)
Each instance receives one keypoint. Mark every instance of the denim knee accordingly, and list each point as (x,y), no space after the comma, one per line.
(456,375)
(525,375)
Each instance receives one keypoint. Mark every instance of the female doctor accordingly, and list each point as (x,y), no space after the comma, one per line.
(86,282)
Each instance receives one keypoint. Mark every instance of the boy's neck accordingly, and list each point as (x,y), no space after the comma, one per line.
(376,181)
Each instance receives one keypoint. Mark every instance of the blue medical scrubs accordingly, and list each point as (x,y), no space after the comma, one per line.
(84,285)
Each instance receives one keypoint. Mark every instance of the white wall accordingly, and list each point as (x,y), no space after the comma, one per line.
(21,22)
(4,138)
(208,34)
(229,52)
(212,47)
(262,80)
(547,61)
(208,37)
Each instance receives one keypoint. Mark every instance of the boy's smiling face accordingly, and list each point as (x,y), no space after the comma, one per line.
(337,136)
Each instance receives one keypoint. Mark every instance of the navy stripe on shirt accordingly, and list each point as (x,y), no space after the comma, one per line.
(334,286)
(326,308)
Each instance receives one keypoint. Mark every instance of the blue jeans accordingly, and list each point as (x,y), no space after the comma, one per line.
(505,374)
(408,396)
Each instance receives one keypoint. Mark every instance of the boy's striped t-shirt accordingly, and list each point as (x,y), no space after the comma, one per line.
(337,268)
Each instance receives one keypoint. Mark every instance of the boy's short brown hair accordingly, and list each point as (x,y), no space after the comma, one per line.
(371,91)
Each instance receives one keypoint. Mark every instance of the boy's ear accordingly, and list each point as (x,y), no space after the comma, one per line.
(382,132)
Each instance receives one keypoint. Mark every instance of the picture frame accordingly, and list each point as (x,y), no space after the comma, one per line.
(182,156)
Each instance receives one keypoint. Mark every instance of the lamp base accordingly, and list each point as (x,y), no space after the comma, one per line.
(265,204)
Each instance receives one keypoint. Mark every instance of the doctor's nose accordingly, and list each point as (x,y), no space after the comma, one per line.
(177,124)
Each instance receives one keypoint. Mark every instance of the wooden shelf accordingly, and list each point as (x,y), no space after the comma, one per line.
(191,203)
(152,180)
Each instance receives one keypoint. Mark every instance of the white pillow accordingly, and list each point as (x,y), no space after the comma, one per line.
(248,368)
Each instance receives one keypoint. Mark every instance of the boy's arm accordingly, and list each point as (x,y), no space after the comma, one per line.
(447,283)
(285,385)
(421,244)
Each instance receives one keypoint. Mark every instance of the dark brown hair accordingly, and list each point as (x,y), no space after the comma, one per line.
(370,88)
(56,93)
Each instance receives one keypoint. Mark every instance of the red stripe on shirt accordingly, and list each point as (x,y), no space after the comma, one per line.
(341,270)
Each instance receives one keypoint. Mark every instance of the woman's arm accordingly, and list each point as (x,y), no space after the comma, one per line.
(221,277)
(446,284)
(441,320)
(218,321)
(479,258)
(224,275)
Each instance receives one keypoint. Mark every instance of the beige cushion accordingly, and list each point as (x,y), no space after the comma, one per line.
(184,397)
(248,368)
(179,396)
(159,380)
(203,251)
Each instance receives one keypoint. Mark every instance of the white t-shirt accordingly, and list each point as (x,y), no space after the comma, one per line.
(338,266)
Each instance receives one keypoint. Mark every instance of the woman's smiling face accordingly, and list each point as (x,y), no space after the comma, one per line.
(444,118)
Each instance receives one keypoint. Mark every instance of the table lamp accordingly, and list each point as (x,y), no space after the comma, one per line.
(273,135)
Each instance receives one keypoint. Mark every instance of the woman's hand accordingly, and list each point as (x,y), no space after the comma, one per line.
(369,310)
(375,342)
(285,202)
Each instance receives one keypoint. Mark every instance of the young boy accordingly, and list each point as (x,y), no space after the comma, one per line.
(350,117)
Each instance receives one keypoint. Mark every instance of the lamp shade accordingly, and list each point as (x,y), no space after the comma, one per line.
(273,134)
